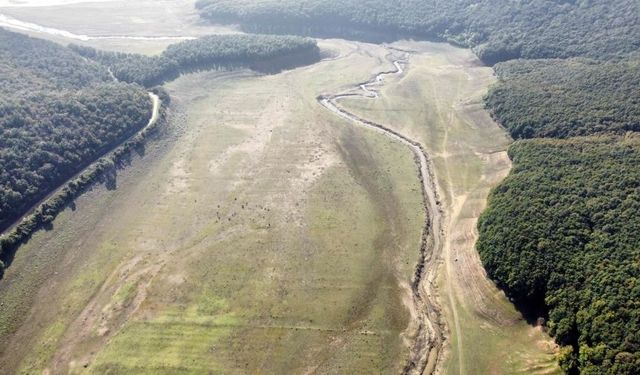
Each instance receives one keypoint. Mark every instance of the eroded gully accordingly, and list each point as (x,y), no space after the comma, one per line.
(428,339)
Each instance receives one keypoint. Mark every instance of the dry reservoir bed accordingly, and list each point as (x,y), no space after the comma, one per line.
(265,234)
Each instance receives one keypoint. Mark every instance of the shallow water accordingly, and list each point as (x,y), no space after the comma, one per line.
(44,3)
(15,24)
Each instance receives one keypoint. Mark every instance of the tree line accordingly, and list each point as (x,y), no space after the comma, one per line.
(498,30)
(566,98)
(270,53)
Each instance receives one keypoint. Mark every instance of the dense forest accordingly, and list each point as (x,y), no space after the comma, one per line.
(565,98)
(62,113)
(562,230)
(561,233)
(261,52)
(499,30)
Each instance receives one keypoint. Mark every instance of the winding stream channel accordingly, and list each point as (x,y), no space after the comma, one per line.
(426,351)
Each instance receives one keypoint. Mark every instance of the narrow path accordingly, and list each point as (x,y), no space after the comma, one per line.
(446,251)
(426,352)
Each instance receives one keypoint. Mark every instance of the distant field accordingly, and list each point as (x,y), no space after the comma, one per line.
(112,18)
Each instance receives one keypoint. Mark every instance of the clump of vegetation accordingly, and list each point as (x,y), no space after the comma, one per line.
(261,52)
(63,113)
(566,98)
(562,231)
(499,30)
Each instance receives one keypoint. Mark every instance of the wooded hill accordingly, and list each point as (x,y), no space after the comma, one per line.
(561,233)
(269,53)
(499,30)
(57,113)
